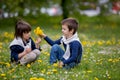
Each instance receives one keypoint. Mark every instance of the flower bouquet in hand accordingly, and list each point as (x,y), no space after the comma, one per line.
(38,31)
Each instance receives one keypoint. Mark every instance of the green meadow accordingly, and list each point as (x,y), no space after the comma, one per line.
(100,37)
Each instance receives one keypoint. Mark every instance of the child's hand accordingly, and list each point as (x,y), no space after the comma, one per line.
(60,64)
(38,40)
(28,50)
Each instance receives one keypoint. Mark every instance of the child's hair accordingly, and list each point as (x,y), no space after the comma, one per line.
(71,23)
(21,27)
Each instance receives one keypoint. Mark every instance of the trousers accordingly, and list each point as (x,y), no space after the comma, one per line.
(30,57)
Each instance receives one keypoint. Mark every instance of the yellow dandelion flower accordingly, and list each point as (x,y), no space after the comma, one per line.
(108,42)
(89,71)
(54,70)
(34,78)
(39,61)
(13,76)
(6,34)
(3,75)
(113,61)
(55,64)
(40,79)
(0,45)
(38,31)
(8,64)
(96,78)
(48,54)
(48,73)
(116,60)
(110,60)
(28,65)
(12,70)
(1,62)
(84,43)
(109,77)
(100,42)
(43,71)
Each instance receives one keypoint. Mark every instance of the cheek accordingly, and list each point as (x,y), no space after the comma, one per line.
(23,35)
(64,32)
(26,35)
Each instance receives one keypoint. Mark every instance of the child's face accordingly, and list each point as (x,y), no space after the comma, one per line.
(26,35)
(66,31)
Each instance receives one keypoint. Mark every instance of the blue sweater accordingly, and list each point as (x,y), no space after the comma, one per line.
(16,49)
(75,50)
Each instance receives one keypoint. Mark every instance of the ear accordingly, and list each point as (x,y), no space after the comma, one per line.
(71,31)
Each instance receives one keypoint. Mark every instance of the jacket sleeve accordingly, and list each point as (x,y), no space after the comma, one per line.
(33,46)
(15,50)
(51,42)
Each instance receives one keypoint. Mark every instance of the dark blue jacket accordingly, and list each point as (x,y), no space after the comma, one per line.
(75,50)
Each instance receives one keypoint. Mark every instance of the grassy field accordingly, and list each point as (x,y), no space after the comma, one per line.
(101,56)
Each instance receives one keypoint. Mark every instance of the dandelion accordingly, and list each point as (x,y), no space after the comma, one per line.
(100,42)
(39,61)
(55,64)
(13,76)
(43,71)
(89,71)
(110,60)
(108,42)
(84,43)
(40,79)
(3,75)
(28,65)
(109,77)
(48,72)
(47,53)
(38,31)
(96,78)
(6,34)
(1,45)
(116,60)
(8,64)
(34,78)
(113,40)
(12,70)
(54,70)
(1,62)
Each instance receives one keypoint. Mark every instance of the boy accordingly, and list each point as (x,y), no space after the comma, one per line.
(73,48)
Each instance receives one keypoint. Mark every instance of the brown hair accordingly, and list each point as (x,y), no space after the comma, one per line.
(21,27)
(71,23)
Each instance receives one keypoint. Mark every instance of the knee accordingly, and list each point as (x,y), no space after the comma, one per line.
(37,52)
(33,56)
(55,46)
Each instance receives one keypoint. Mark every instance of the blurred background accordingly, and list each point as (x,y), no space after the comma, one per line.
(94,16)
(64,8)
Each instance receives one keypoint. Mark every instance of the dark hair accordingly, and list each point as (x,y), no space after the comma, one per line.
(71,23)
(21,27)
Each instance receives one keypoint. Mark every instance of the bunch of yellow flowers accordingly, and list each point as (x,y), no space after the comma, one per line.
(38,31)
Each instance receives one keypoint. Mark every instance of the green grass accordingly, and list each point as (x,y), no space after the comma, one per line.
(101,57)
